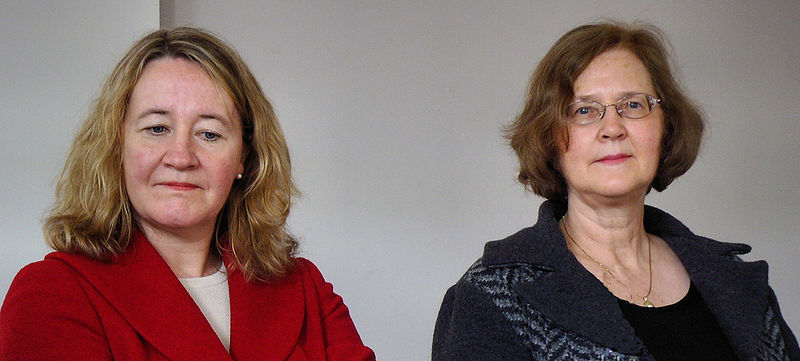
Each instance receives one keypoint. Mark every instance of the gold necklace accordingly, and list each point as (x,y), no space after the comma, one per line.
(607,271)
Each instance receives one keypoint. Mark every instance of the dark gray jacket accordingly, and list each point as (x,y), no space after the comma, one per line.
(528,298)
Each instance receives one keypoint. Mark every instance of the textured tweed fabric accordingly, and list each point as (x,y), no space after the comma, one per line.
(527,298)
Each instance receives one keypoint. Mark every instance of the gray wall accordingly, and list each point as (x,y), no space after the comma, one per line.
(393,113)
(53,57)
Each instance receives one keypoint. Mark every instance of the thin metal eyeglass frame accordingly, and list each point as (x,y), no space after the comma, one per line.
(651,100)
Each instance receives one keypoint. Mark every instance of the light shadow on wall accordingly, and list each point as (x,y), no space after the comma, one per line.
(166,14)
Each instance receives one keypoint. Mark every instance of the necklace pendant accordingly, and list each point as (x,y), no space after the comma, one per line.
(647,303)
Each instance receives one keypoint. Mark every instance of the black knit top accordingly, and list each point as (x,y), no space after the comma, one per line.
(684,331)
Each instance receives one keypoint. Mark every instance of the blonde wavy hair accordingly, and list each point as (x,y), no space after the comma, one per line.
(92,214)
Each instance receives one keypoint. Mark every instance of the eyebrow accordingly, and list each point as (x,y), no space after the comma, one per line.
(204,116)
(593,97)
(150,111)
(213,116)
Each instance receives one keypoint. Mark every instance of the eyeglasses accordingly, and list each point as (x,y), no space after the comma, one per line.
(633,106)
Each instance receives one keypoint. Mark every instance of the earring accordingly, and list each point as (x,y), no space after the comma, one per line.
(239,176)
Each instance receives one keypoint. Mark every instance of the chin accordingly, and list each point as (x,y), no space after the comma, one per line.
(183,227)
(626,191)
(175,219)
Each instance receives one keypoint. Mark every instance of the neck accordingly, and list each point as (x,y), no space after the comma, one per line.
(187,253)
(611,231)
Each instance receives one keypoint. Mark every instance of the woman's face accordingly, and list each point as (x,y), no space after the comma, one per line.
(613,157)
(182,147)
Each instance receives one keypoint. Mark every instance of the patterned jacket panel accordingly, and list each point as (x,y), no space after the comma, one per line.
(542,338)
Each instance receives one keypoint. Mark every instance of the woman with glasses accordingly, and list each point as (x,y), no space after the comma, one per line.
(602,276)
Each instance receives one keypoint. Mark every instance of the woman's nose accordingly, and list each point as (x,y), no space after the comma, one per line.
(180,153)
(611,126)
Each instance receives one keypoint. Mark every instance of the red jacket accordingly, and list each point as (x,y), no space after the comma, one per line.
(68,307)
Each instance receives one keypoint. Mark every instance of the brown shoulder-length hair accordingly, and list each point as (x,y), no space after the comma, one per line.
(537,131)
(92,214)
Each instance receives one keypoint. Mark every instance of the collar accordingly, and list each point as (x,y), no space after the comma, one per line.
(735,292)
(142,288)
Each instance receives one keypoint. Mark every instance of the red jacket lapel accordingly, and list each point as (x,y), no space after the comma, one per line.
(266,317)
(146,293)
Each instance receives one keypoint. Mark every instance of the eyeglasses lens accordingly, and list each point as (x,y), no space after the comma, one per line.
(634,106)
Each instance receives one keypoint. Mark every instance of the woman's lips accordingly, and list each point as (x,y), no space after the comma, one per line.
(614,158)
(180,186)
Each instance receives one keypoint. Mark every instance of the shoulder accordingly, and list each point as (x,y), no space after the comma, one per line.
(307,270)
(495,285)
(307,273)
(490,288)
(682,240)
(45,286)
(539,246)
(305,265)
(521,257)
(304,277)
(493,278)
(482,317)
(44,275)
(48,304)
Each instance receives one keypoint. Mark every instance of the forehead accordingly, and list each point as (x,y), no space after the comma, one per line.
(172,71)
(616,72)
(174,82)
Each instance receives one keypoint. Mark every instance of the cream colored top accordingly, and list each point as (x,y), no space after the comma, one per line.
(210,293)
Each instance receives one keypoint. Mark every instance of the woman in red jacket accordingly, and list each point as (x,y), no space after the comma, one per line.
(169,226)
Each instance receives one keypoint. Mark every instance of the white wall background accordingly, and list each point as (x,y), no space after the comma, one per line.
(393,111)
(54,56)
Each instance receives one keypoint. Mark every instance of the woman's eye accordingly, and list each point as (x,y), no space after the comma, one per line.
(582,112)
(634,105)
(210,135)
(158,129)
(586,111)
